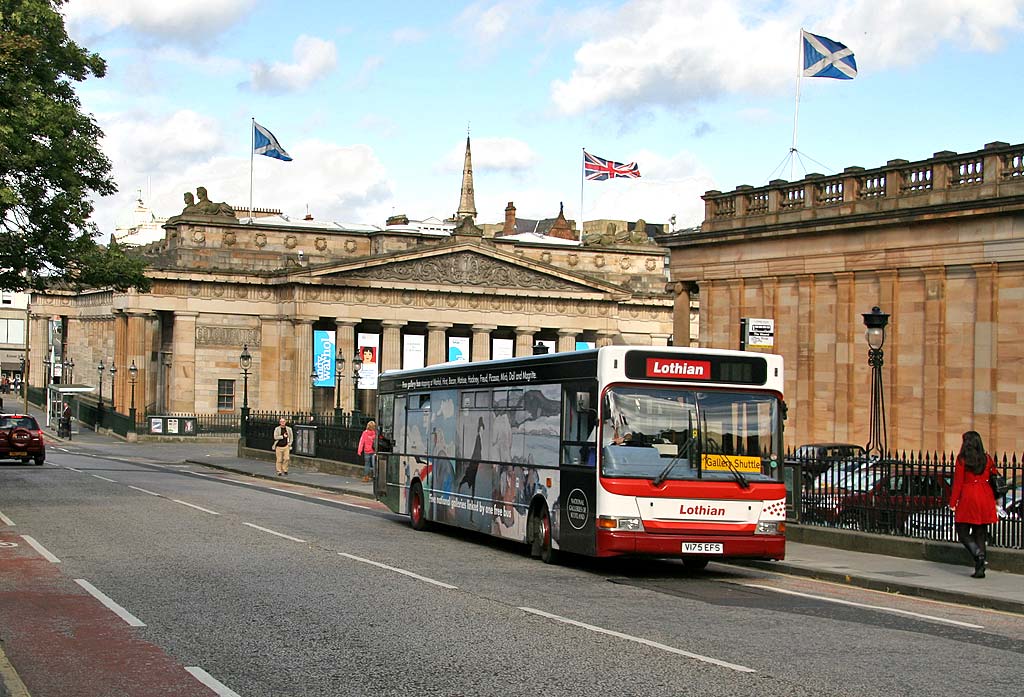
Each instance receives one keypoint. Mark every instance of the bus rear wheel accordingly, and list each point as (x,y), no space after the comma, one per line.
(416,514)
(541,539)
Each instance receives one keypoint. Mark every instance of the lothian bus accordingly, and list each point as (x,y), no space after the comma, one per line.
(621,450)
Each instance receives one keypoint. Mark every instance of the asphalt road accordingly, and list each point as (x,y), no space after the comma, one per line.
(272,589)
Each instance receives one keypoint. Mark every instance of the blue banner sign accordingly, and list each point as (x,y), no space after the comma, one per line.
(323,357)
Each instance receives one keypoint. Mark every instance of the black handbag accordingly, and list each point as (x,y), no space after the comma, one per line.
(998,484)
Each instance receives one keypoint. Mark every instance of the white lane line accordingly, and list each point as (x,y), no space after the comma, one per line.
(72,469)
(106,479)
(219,688)
(110,604)
(7,521)
(42,550)
(340,503)
(274,532)
(865,605)
(399,571)
(145,491)
(198,508)
(640,640)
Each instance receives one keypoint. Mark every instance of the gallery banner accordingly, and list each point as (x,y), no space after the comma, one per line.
(323,357)
(413,351)
(369,352)
(458,349)
(503,348)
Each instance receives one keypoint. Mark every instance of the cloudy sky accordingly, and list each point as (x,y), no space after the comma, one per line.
(373,101)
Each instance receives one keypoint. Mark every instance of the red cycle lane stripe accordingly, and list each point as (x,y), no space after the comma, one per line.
(65,643)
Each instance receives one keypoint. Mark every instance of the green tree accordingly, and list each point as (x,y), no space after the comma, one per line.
(50,161)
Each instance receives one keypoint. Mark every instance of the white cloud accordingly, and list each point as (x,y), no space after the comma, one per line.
(314,59)
(408,35)
(193,21)
(144,142)
(490,154)
(675,55)
(487,23)
(366,72)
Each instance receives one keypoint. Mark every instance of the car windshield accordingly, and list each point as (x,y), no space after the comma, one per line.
(28,422)
(674,433)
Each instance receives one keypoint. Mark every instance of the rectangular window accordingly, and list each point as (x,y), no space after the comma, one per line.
(225,395)
(6,298)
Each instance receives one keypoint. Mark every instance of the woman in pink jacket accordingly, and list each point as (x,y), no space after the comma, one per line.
(368,449)
(972,500)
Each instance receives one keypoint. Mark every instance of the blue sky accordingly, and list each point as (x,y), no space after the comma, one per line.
(373,100)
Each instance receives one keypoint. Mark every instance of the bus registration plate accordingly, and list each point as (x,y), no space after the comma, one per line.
(702,548)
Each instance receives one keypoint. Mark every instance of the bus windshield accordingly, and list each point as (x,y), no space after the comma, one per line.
(676,433)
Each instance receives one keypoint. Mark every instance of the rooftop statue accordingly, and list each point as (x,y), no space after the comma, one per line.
(205,206)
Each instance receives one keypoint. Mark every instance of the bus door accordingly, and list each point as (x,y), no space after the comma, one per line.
(578,486)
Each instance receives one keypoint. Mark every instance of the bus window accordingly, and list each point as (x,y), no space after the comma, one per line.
(579,423)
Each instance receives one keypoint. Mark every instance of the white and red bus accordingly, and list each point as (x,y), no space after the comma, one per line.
(659,451)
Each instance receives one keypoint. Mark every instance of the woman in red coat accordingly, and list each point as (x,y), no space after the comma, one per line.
(972,500)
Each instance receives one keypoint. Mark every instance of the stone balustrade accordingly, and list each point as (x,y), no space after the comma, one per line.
(993,173)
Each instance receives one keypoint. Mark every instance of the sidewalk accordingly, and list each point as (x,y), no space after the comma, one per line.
(999,590)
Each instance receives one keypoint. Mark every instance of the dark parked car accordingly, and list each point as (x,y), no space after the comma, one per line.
(21,439)
(815,458)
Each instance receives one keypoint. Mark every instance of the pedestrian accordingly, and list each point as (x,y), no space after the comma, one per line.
(368,448)
(65,421)
(283,439)
(971,500)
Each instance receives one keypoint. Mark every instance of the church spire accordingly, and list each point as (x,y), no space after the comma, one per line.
(467,204)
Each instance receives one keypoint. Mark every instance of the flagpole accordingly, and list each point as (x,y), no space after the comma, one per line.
(796,110)
(583,178)
(252,150)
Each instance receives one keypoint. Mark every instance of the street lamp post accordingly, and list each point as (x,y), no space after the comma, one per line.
(99,409)
(876,321)
(69,372)
(313,377)
(21,382)
(133,376)
(245,362)
(339,369)
(47,364)
(357,365)
(113,374)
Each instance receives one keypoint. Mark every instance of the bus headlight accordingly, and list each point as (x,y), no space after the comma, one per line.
(774,527)
(607,522)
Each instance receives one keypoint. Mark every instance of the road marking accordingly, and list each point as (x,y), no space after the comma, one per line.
(640,640)
(111,605)
(42,550)
(340,503)
(211,682)
(274,532)
(106,479)
(198,508)
(399,571)
(145,491)
(72,469)
(865,605)
(7,521)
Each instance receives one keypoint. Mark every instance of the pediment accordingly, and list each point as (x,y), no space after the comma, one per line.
(468,268)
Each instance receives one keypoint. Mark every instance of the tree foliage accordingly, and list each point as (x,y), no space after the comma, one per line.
(50,161)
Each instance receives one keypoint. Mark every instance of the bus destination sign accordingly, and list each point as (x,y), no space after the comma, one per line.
(751,369)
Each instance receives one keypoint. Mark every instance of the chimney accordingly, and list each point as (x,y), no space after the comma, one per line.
(510,220)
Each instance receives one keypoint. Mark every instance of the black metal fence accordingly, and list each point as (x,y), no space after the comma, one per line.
(906,495)
(329,436)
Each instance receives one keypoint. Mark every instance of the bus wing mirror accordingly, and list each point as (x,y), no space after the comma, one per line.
(582,401)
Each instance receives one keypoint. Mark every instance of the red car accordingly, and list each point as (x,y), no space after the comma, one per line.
(21,439)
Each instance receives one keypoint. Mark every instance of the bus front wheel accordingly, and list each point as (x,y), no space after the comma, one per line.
(541,546)
(416,516)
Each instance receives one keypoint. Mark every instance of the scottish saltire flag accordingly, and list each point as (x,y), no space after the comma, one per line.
(265,143)
(824,57)
(598,169)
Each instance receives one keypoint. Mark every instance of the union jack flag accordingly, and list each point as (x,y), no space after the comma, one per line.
(599,169)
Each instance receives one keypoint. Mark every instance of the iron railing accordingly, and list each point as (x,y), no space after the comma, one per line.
(901,494)
(333,436)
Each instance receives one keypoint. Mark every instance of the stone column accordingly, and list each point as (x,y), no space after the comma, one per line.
(346,342)
(524,340)
(391,358)
(39,349)
(182,390)
(138,340)
(302,359)
(983,383)
(437,348)
(567,339)
(605,336)
(481,342)
(660,339)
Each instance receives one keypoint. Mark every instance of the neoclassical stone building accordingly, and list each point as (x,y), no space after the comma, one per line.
(221,282)
(938,244)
